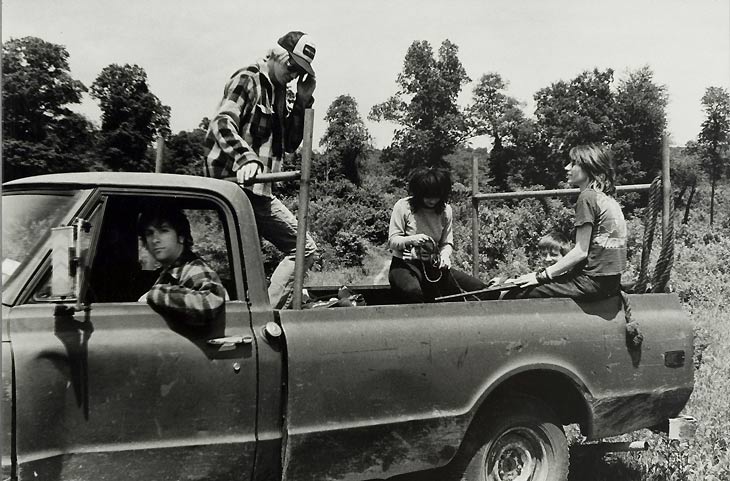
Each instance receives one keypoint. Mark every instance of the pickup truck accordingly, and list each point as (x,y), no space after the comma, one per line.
(99,386)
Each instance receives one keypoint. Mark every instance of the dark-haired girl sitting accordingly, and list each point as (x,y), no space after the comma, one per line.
(421,240)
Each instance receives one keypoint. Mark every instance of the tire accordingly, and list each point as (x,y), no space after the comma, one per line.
(519,439)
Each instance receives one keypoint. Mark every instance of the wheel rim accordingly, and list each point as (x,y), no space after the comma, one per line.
(517,455)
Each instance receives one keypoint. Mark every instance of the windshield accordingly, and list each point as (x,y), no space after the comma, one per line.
(27,221)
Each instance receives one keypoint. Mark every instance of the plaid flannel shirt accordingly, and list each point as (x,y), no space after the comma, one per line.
(189,288)
(253,124)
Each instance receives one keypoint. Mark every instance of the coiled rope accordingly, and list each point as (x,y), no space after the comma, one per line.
(663,267)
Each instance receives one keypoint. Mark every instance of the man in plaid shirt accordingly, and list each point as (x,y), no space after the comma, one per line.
(253,129)
(186,287)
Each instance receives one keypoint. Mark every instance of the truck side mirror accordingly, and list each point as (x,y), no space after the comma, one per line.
(62,279)
(70,247)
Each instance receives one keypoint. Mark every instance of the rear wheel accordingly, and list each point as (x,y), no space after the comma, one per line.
(519,439)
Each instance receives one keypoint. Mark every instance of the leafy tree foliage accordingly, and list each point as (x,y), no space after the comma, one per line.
(37,87)
(586,110)
(568,114)
(40,134)
(714,138)
(496,113)
(500,116)
(431,124)
(184,152)
(686,173)
(131,116)
(640,120)
(346,140)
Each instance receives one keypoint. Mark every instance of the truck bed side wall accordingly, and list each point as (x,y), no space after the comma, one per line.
(390,389)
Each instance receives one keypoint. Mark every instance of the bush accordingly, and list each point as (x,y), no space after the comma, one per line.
(508,234)
(349,249)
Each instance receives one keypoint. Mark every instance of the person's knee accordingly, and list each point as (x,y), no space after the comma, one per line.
(407,290)
(310,251)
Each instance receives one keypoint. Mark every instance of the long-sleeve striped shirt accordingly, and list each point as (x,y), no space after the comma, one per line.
(188,288)
(253,124)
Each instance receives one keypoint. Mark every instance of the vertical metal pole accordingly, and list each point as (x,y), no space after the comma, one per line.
(474,217)
(666,186)
(160,152)
(303,208)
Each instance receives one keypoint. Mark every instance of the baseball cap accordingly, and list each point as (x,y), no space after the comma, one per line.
(301,48)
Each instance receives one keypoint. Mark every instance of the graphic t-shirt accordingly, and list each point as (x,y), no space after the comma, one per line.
(607,250)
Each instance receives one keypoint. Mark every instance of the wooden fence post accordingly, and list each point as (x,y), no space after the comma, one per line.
(666,187)
(303,208)
(160,153)
(474,217)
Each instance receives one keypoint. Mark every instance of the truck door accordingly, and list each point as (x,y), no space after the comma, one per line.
(119,391)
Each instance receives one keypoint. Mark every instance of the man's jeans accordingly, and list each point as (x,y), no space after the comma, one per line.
(278,225)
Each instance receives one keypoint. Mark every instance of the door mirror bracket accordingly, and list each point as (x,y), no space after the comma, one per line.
(69,257)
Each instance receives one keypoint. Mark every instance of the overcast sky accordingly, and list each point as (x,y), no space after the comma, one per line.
(189,48)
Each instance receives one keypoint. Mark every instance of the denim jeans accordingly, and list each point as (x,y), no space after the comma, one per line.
(578,286)
(278,225)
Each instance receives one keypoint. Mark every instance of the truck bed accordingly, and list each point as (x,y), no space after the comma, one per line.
(415,375)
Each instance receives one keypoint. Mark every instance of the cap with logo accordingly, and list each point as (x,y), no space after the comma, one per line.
(301,48)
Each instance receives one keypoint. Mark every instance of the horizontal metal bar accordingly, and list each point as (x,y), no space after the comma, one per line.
(274,177)
(537,194)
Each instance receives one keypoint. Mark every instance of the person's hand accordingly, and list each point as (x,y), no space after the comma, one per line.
(247,172)
(526,280)
(494,281)
(445,262)
(305,87)
(417,240)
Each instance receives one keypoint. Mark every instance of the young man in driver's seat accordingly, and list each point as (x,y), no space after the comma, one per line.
(186,285)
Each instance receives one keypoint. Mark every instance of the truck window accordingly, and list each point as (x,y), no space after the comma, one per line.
(123,270)
(27,221)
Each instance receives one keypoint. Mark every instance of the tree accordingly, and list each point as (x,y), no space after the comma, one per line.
(500,116)
(131,116)
(640,120)
(37,87)
(185,152)
(714,138)
(346,140)
(685,175)
(431,124)
(40,133)
(568,114)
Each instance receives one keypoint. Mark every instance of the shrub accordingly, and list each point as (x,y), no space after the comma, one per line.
(350,249)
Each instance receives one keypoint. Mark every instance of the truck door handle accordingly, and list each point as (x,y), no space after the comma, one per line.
(230,341)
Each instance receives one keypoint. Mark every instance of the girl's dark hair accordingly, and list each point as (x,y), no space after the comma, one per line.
(429,182)
(161,212)
(597,162)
